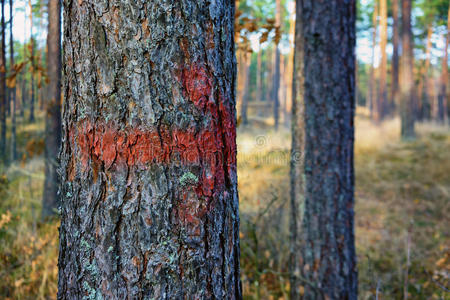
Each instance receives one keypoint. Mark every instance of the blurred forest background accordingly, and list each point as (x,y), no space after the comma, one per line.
(402,185)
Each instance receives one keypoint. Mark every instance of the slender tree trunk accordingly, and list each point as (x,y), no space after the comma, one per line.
(246,91)
(327,237)
(24,95)
(269,79)
(259,80)
(290,69)
(24,79)
(53,109)
(241,63)
(3,94)
(395,55)
(32,85)
(13,89)
(32,45)
(407,82)
(442,97)
(43,59)
(297,171)
(7,90)
(149,184)
(373,104)
(382,89)
(259,76)
(276,73)
(424,106)
(282,93)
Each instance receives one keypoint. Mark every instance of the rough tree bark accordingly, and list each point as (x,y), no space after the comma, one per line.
(13,89)
(382,89)
(297,151)
(407,81)
(395,55)
(327,235)
(148,177)
(276,71)
(53,109)
(442,96)
(3,95)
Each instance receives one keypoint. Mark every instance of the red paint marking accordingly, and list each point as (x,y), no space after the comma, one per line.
(114,147)
(197,84)
(213,148)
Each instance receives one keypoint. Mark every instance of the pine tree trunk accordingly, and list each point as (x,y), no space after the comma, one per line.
(149,184)
(373,81)
(290,69)
(32,85)
(407,83)
(282,93)
(32,45)
(442,96)
(8,91)
(276,73)
(53,109)
(246,91)
(259,76)
(13,89)
(382,89)
(327,236)
(297,172)
(269,84)
(395,55)
(3,94)
(23,78)
(424,107)
(24,95)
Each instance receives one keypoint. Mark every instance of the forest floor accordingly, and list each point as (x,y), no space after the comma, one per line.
(402,214)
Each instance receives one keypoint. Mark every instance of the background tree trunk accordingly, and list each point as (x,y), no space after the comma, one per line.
(259,76)
(13,89)
(53,109)
(246,91)
(297,171)
(24,94)
(33,61)
(442,96)
(373,104)
(424,108)
(149,184)
(407,84)
(328,246)
(3,95)
(382,89)
(290,70)
(276,73)
(23,77)
(395,55)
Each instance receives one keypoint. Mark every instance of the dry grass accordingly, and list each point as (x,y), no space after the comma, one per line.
(402,193)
